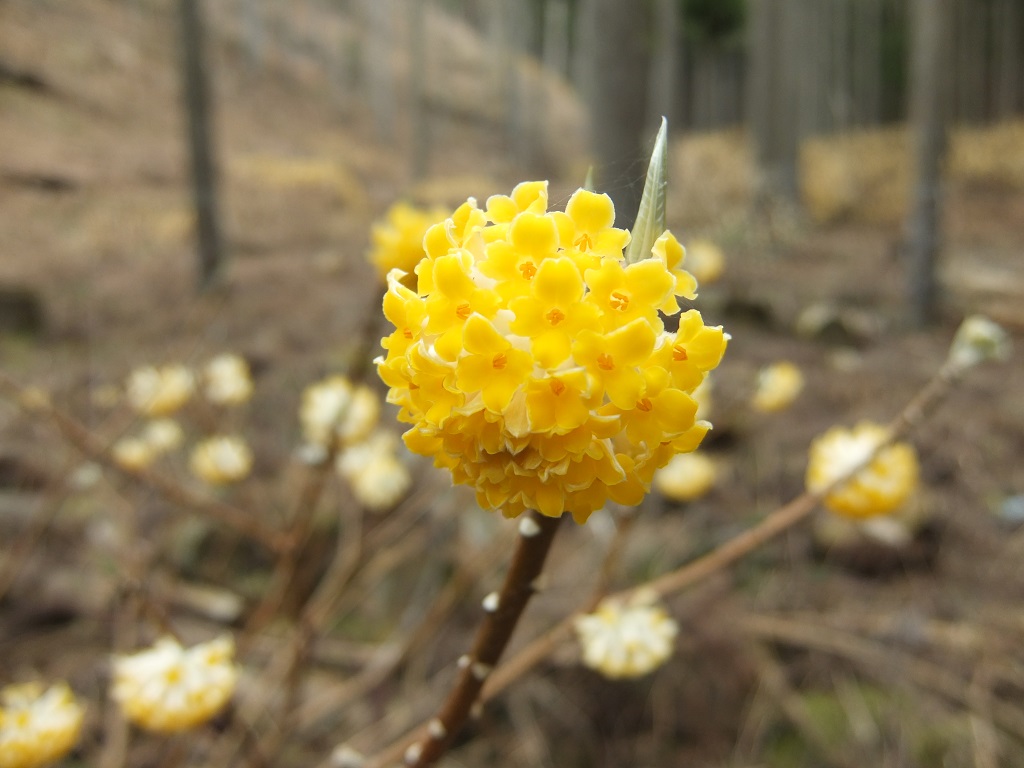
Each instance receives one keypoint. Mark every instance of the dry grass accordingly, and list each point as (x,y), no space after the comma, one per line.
(859,177)
(785,662)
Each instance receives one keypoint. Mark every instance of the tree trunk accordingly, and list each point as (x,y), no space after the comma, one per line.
(204,173)
(772,88)
(664,64)
(613,38)
(929,113)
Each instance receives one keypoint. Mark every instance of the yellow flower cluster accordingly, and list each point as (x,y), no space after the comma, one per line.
(778,386)
(687,477)
(627,640)
(221,460)
(878,489)
(36,726)
(397,241)
(532,360)
(156,392)
(168,688)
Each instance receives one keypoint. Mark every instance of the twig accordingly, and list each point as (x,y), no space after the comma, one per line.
(38,525)
(503,612)
(392,655)
(85,441)
(777,522)
(881,662)
(306,501)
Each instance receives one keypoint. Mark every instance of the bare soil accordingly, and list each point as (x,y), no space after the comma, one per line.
(794,658)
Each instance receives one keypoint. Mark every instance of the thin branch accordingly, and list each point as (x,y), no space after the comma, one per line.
(78,435)
(777,522)
(502,613)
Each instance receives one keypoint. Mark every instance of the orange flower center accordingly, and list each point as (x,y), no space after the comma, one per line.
(605,362)
(528,269)
(619,301)
(557,387)
(583,242)
(463,311)
(644,405)
(555,316)
(679,353)
(407,333)
(499,361)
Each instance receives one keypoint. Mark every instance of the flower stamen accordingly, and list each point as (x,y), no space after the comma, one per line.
(555,316)
(618,300)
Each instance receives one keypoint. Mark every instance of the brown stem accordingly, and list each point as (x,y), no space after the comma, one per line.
(536,535)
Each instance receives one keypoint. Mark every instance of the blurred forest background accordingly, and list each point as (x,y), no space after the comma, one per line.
(860,163)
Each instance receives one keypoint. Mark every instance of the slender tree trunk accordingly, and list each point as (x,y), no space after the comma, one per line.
(929,112)
(615,34)
(664,64)
(773,90)
(204,173)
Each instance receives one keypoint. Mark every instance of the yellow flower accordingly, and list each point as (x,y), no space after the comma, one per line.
(778,385)
(221,460)
(133,453)
(397,241)
(878,489)
(627,640)
(163,435)
(168,688)
(333,409)
(687,477)
(36,726)
(532,362)
(586,226)
(160,391)
(228,381)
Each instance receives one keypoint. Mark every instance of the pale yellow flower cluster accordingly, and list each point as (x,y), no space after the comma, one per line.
(878,489)
(626,640)
(158,437)
(221,460)
(161,391)
(531,358)
(977,340)
(778,386)
(375,473)
(336,410)
(37,726)
(168,688)
(686,477)
(156,392)
(227,381)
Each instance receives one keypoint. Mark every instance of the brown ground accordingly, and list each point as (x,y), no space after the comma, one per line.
(786,661)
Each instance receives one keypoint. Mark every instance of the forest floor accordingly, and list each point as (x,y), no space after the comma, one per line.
(793,658)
